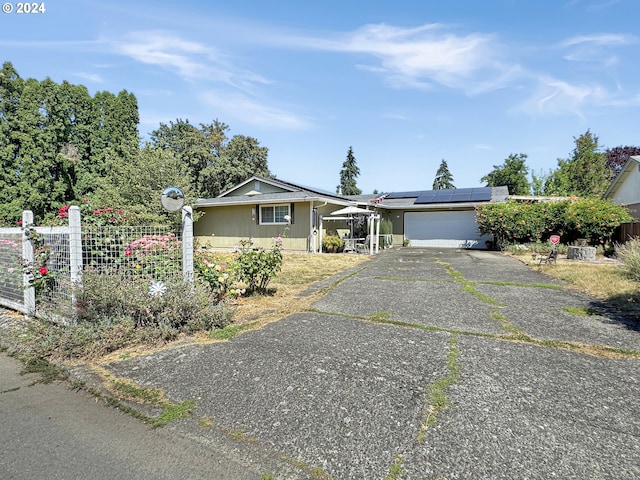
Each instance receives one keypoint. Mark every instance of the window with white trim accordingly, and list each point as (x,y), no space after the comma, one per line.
(273,214)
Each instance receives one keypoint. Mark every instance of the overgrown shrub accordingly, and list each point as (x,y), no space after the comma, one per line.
(181,308)
(118,311)
(629,255)
(524,222)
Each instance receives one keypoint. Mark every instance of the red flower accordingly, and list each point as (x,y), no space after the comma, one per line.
(43,270)
(127,253)
(19,223)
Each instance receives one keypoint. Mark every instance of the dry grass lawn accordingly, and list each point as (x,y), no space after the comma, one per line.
(604,280)
(299,272)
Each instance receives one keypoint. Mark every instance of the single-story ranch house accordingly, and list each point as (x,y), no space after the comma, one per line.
(265,208)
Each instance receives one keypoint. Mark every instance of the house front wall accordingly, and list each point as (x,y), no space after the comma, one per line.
(225,226)
(629,193)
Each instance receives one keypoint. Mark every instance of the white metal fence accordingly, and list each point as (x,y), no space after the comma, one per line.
(57,256)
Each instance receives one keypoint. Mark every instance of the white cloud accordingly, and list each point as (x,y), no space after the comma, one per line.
(420,56)
(92,77)
(189,60)
(557,97)
(247,110)
(167,51)
(603,40)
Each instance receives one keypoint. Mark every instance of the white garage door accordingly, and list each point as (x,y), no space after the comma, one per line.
(451,229)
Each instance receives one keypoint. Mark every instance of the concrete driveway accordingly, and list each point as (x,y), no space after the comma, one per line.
(424,364)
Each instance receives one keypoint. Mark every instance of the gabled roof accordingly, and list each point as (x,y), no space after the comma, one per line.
(290,192)
(631,164)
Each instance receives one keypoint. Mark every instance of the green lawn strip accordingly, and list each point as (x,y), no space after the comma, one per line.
(438,399)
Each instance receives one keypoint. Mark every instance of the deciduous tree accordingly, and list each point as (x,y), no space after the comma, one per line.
(512,173)
(618,156)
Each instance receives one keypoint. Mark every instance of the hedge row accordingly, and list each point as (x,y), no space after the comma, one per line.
(593,219)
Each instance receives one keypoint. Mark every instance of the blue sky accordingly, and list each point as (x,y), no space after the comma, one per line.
(406,83)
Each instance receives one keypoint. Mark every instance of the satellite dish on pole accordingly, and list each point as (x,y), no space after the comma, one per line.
(172,199)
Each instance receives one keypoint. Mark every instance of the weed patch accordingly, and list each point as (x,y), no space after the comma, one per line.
(580,311)
(438,400)
(396,469)
(49,372)
(231,331)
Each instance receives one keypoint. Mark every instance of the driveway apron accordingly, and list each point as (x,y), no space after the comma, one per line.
(421,364)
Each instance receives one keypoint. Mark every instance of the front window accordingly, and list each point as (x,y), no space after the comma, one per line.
(273,214)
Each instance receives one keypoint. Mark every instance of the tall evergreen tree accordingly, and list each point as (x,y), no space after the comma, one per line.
(444,179)
(56,141)
(348,175)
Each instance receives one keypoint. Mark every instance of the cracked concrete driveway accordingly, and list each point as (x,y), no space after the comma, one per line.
(423,364)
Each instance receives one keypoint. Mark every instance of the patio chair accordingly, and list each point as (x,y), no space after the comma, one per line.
(363,247)
(549,258)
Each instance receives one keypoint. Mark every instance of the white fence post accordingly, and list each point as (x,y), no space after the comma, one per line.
(28,259)
(187,244)
(75,251)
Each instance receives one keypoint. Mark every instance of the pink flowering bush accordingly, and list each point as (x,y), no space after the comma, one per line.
(256,267)
(218,274)
(155,256)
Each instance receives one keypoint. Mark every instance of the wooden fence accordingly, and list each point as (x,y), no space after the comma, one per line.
(628,231)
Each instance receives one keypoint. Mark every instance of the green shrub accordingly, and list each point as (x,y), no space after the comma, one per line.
(332,243)
(518,222)
(629,255)
(181,308)
(256,267)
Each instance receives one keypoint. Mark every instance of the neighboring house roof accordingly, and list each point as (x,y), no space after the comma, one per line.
(633,163)
(462,198)
(286,192)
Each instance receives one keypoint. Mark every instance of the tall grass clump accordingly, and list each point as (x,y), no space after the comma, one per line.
(629,254)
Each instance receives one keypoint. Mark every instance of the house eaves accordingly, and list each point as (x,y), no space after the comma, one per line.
(632,162)
(270,198)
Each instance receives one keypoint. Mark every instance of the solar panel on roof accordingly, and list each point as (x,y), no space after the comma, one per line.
(446,195)
(455,195)
(405,194)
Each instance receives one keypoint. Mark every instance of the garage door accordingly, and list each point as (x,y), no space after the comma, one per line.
(451,229)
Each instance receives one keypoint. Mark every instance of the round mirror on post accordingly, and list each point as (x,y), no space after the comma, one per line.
(172,199)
